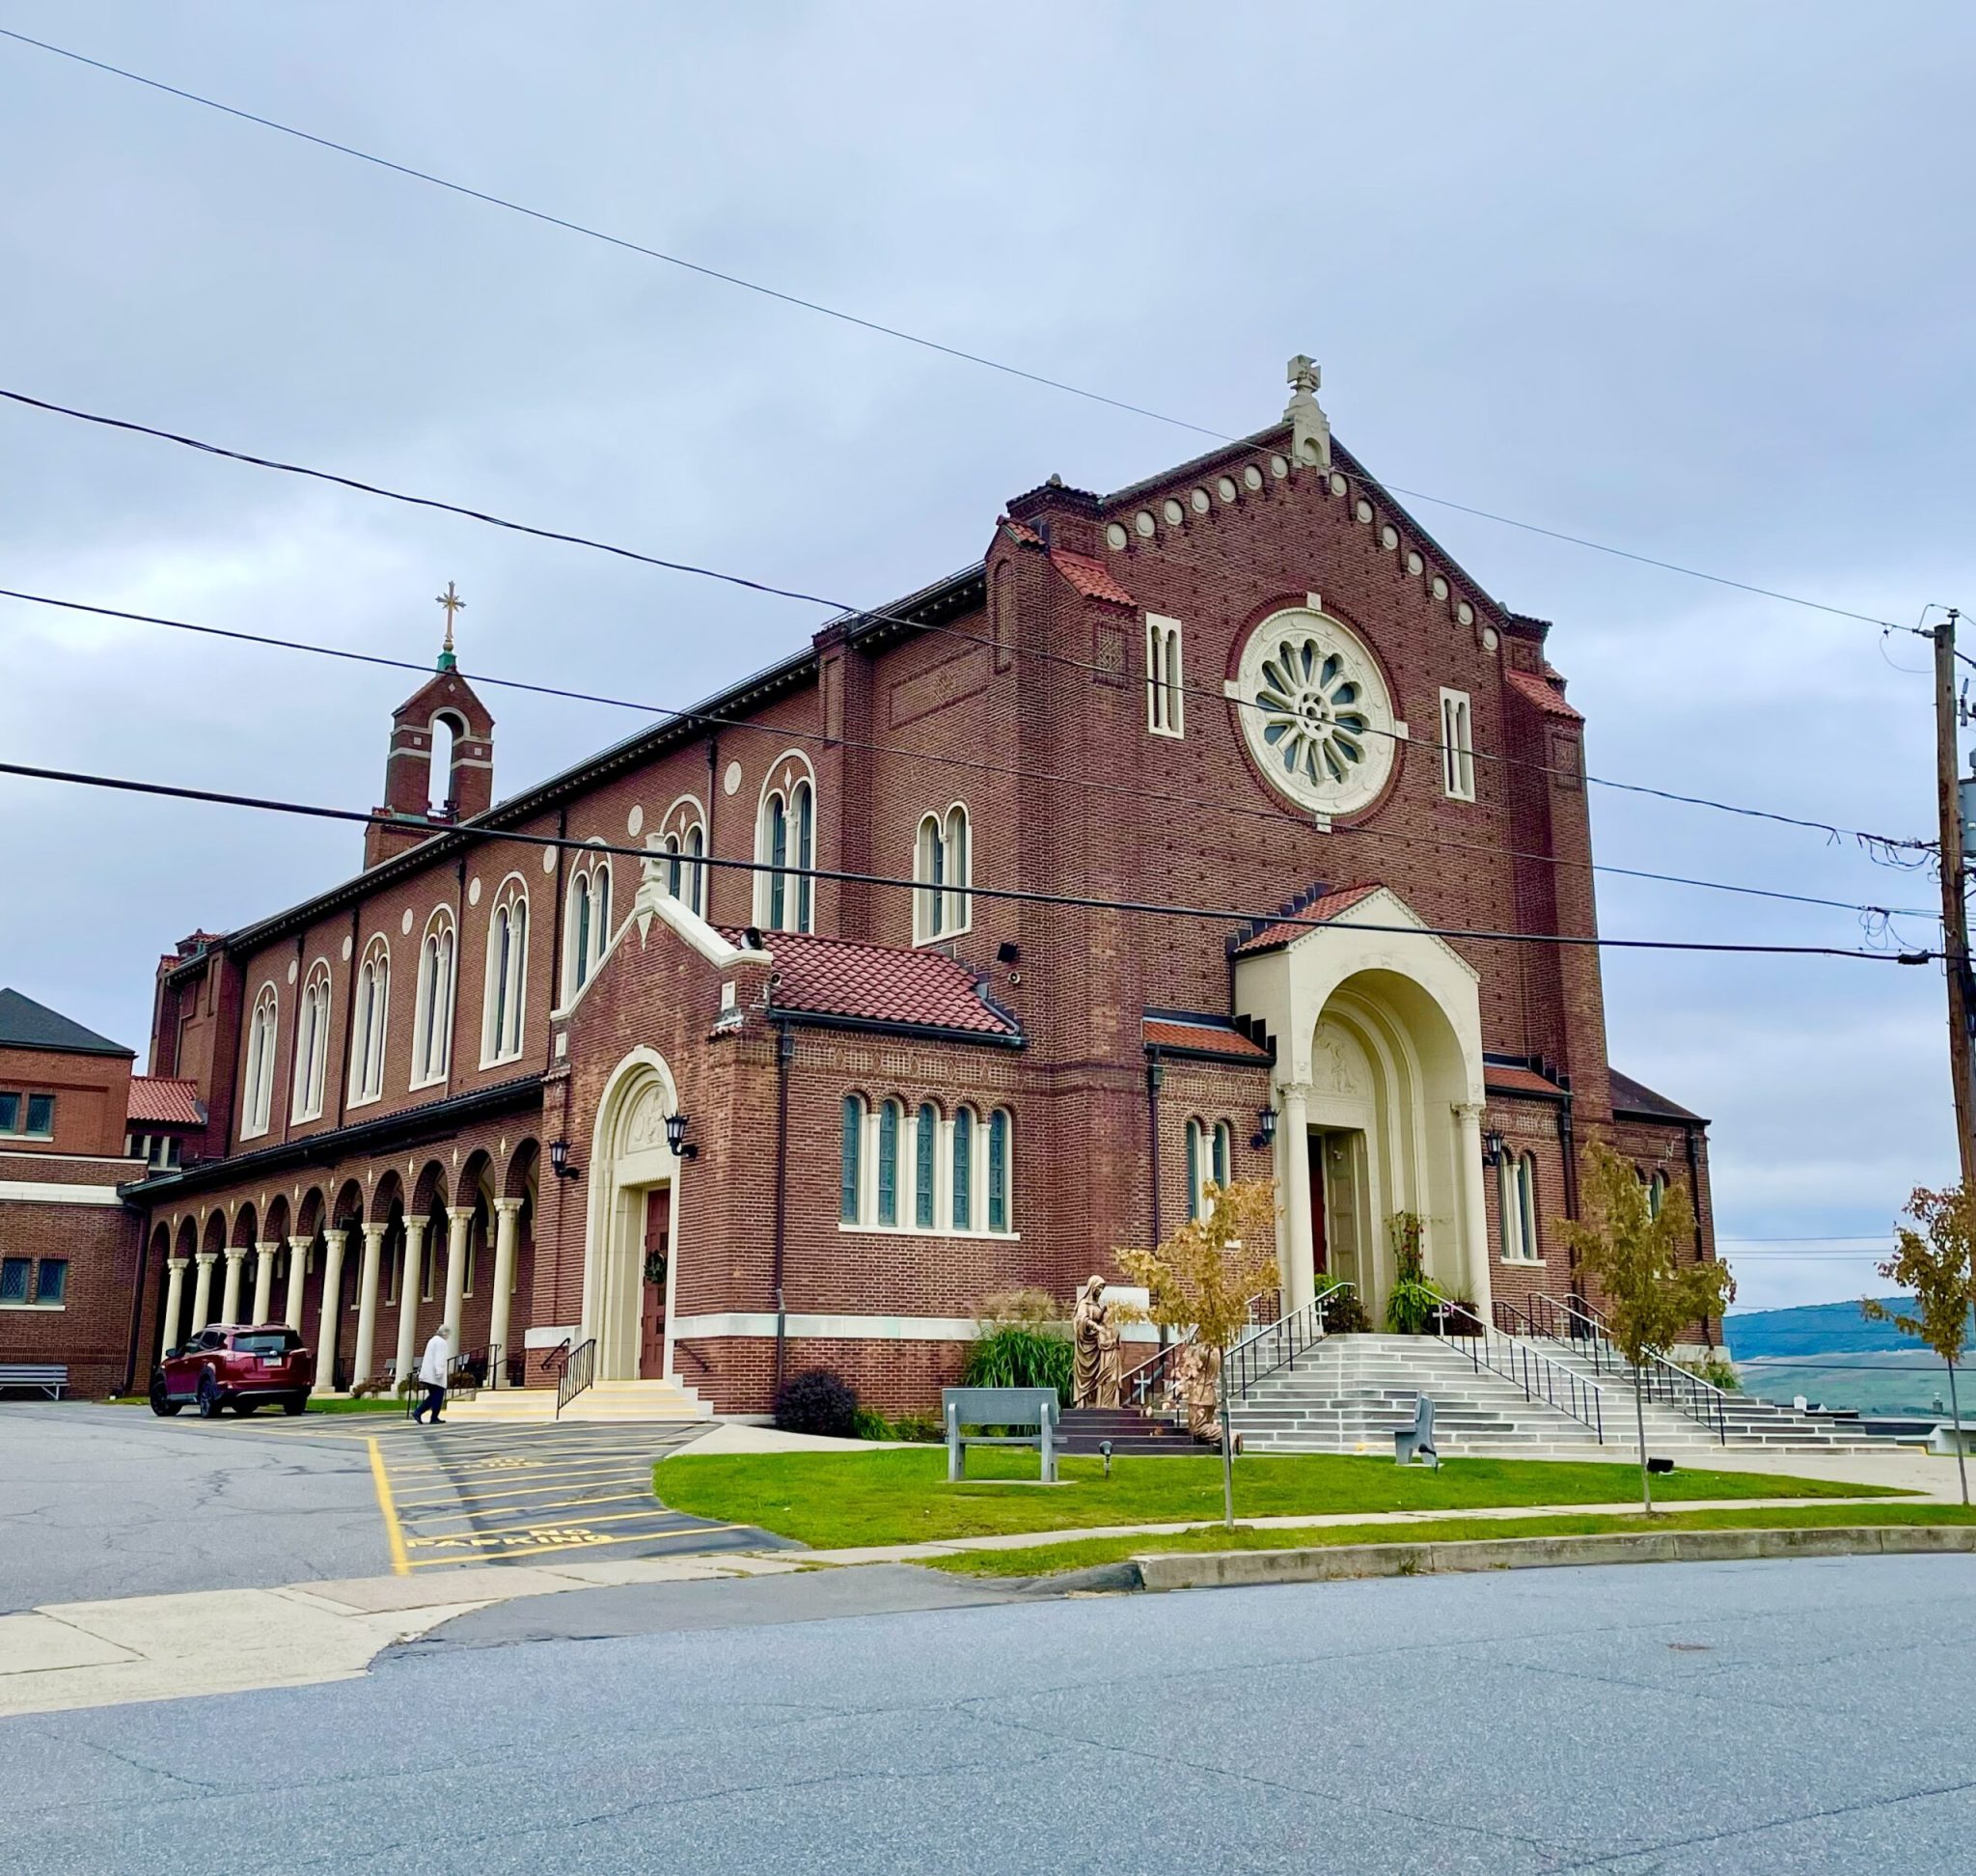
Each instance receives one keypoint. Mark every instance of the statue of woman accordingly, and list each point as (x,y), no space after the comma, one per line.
(1094,1337)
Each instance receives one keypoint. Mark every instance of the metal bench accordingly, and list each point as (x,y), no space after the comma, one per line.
(45,1377)
(1416,1442)
(1032,1412)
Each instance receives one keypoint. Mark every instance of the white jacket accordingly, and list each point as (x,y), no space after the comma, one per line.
(432,1364)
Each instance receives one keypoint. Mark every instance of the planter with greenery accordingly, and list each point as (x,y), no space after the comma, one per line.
(1410,1302)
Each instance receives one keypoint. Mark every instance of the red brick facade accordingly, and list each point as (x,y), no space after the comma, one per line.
(1017,689)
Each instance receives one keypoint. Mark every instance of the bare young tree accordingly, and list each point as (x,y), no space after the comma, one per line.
(1202,1278)
(1635,1259)
(1938,1270)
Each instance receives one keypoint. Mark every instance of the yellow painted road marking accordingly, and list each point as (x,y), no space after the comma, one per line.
(433,1516)
(654,1510)
(588,1543)
(557,1482)
(393,1531)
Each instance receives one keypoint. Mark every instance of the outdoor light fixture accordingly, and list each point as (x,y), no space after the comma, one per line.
(676,1137)
(559,1160)
(1265,1128)
(1491,1148)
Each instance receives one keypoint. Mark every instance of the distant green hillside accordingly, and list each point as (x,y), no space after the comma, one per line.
(1814,1328)
(1831,1355)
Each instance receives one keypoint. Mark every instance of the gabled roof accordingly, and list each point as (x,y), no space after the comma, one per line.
(1499,1078)
(165,1101)
(1326,906)
(1632,1098)
(838,979)
(1542,692)
(25,1024)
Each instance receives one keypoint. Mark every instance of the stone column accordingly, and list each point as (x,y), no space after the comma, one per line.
(174,1301)
(1293,1132)
(506,1230)
(333,1243)
(1473,1223)
(409,1298)
(264,1278)
(298,1277)
(230,1301)
(201,1289)
(460,1221)
(367,1300)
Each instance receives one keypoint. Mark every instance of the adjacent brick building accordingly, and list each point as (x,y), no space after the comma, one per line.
(784,1031)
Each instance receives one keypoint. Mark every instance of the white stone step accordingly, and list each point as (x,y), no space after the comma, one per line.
(606,1401)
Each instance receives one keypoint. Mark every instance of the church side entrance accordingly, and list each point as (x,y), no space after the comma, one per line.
(631,1234)
(1336,1229)
(658,1231)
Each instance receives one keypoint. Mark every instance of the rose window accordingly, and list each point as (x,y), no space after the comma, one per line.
(1315,712)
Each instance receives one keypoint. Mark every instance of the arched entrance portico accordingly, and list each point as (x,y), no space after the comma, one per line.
(632,1223)
(1379,1098)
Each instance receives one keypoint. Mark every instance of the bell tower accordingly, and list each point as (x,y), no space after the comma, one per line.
(441,735)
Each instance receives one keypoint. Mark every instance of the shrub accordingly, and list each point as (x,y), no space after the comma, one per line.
(922,1429)
(1717,1370)
(1344,1315)
(818,1401)
(868,1423)
(1018,1354)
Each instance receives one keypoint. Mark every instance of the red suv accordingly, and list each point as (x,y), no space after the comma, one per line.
(227,1366)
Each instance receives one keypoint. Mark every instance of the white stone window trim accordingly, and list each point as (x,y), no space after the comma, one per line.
(434,1002)
(310,1075)
(503,1006)
(257,1102)
(370,1025)
(1457,745)
(586,922)
(1517,1218)
(682,824)
(1166,677)
(943,865)
(788,776)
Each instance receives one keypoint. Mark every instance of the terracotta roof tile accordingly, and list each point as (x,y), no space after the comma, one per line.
(1499,1080)
(1091,578)
(1022,531)
(879,983)
(1317,912)
(165,1101)
(1551,701)
(1219,1038)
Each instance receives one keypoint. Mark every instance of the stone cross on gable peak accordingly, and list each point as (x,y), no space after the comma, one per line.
(452,603)
(1310,430)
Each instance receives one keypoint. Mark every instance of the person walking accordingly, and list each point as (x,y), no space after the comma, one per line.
(432,1369)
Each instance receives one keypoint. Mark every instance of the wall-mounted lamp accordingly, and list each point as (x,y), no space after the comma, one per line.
(1265,1134)
(676,1137)
(559,1160)
(1491,1148)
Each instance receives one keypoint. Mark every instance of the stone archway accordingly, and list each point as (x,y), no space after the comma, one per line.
(630,1166)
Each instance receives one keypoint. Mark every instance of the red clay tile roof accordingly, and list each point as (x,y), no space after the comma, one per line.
(1551,701)
(1219,1038)
(877,983)
(1022,531)
(1516,1081)
(165,1101)
(1091,578)
(1317,912)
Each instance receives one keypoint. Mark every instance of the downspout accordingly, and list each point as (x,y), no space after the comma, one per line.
(785,1049)
(1155,1076)
(713,794)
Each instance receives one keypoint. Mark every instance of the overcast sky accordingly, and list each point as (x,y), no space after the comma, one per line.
(1691,279)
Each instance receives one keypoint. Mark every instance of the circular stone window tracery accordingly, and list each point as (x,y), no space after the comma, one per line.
(1315,711)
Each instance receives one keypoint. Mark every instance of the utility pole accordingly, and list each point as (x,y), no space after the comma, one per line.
(1955,912)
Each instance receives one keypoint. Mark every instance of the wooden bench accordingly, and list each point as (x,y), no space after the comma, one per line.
(45,1377)
(1032,1412)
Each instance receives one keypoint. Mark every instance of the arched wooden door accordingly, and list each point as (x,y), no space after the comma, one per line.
(658,1233)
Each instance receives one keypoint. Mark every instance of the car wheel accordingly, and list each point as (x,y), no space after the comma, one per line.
(161,1403)
(295,1404)
(208,1396)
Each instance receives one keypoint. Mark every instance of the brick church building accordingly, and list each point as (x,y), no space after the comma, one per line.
(782,1033)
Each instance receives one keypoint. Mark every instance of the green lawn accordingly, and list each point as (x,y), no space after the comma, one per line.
(1081,1553)
(901,1496)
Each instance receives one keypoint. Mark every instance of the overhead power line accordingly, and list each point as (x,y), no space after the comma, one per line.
(960,354)
(848,608)
(782,732)
(1013,895)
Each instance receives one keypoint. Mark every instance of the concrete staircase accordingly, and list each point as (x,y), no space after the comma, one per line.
(606,1401)
(1350,1394)
(1082,1429)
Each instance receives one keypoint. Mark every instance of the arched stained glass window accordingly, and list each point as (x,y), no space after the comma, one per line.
(963,1169)
(926,1159)
(888,1117)
(999,1132)
(851,1178)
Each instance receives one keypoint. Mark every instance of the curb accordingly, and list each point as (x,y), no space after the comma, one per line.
(1235,1569)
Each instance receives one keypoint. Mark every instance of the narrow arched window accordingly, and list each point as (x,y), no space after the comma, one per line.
(506,984)
(926,1160)
(1656,1193)
(785,849)
(261,1047)
(960,906)
(1527,1205)
(587,924)
(778,859)
(999,1132)
(888,1117)
(432,1024)
(695,869)
(367,1023)
(802,811)
(963,1169)
(312,1044)
(1194,1147)
(1224,1152)
(929,868)
(851,1166)
(676,878)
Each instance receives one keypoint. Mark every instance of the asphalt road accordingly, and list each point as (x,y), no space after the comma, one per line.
(1671,1719)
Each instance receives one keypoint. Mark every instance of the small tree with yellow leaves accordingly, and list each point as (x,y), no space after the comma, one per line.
(1202,1278)
(1939,1271)
(1635,1259)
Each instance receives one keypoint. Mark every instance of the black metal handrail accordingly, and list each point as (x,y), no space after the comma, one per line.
(1276,1344)
(579,1370)
(1537,1375)
(1149,1386)
(1589,1336)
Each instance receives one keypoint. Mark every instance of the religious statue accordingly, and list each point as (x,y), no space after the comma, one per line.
(1192,1389)
(1094,1337)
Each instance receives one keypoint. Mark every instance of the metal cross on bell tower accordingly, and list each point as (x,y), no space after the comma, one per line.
(452,603)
